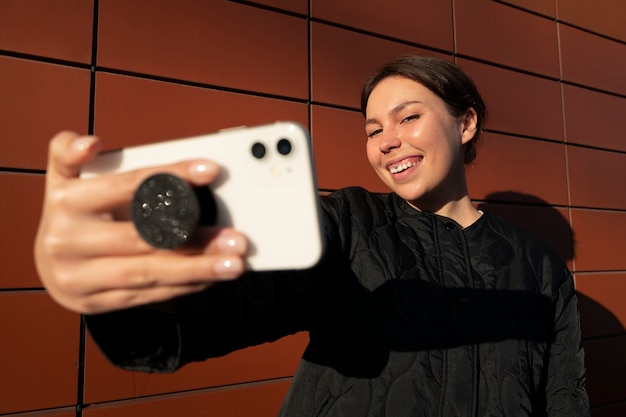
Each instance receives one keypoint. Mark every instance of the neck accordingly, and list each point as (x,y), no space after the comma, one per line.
(451,199)
(461,211)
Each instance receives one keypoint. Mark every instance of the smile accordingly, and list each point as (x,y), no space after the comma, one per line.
(402,165)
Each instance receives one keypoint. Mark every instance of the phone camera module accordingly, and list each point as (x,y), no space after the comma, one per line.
(258,150)
(284,146)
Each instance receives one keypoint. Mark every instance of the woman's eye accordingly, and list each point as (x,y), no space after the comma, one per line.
(410,118)
(374,133)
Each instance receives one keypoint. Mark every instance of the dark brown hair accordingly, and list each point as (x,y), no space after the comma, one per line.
(445,79)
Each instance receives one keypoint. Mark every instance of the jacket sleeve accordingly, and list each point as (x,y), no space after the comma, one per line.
(256,308)
(565,385)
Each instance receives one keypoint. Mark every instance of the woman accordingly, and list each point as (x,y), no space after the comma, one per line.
(421,306)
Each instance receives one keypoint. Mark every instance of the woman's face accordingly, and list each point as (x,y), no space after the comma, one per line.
(415,145)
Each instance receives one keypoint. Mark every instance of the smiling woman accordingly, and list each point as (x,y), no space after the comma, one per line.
(416,147)
(442,78)
(423,118)
(420,306)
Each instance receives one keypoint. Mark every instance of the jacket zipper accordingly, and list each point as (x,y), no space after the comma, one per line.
(475,350)
(475,347)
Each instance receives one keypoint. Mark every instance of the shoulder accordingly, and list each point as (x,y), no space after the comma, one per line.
(519,236)
(530,249)
(358,202)
(507,229)
(354,195)
(351,214)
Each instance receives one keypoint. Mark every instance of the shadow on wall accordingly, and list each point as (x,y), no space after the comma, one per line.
(537,215)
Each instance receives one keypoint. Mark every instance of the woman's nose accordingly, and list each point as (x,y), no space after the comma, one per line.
(389,141)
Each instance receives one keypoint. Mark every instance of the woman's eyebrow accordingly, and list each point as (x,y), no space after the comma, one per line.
(402,106)
(395,110)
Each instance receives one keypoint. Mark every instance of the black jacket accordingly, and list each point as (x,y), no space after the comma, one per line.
(408,315)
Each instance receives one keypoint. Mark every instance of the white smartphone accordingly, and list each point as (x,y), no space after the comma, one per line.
(267,187)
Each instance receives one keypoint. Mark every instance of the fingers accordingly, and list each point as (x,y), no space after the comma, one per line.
(159,269)
(68,151)
(121,238)
(110,283)
(96,275)
(90,262)
(120,299)
(221,241)
(106,192)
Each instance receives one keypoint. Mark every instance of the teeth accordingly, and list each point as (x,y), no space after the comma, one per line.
(394,169)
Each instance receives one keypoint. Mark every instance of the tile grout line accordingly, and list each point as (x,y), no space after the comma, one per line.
(80,394)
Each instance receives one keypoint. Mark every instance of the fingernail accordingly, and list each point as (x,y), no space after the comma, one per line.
(236,244)
(202,170)
(82,143)
(229,267)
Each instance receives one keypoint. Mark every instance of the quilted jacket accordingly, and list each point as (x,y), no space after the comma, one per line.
(408,315)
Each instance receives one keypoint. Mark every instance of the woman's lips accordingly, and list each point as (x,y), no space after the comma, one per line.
(403,165)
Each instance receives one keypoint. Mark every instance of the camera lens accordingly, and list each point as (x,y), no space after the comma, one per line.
(284,146)
(258,150)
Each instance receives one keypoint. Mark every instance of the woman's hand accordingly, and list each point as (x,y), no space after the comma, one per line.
(91,263)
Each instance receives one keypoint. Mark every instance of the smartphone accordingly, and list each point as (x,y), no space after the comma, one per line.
(266,189)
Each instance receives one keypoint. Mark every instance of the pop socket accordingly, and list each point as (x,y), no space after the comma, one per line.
(167,210)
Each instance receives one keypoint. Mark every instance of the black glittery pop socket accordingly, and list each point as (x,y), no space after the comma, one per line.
(167,210)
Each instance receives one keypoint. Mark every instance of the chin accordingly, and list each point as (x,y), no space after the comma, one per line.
(411,196)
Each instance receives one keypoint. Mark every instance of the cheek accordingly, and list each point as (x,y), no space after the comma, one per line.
(371,150)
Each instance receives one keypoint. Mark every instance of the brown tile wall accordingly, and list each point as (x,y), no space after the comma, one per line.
(553,158)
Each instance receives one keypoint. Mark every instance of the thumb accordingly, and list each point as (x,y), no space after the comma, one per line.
(67,152)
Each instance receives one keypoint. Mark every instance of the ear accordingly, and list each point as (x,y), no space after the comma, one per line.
(469,122)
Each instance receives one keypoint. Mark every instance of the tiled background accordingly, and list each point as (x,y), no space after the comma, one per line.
(554,157)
